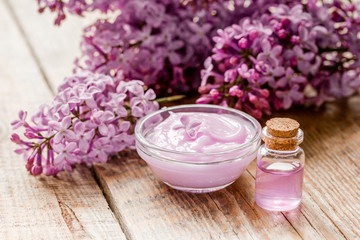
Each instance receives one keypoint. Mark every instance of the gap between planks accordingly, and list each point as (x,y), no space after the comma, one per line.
(304,215)
(47,82)
(68,214)
(110,201)
(28,44)
(108,197)
(103,187)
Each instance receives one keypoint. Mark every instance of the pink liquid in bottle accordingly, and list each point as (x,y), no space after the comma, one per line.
(279,185)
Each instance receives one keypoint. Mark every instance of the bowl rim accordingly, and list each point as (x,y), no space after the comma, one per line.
(139,137)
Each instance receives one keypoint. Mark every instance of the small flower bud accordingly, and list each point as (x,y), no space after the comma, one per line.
(285,22)
(214,93)
(234,90)
(36,170)
(351,7)
(264,92)
(282,33)
(253,99)
(253,34)
(222,67)
(203,100)
(293,61)
(263,103)
(277,26)
(243,43)
(295,39)
(233,60)
(204,89)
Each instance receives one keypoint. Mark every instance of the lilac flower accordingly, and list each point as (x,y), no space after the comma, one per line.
(21,122)
(290,79)
(199,33)
(61,102)
(224,38)
(142,105)
(100,150)
(164,43)
(204,100)
(325,36)
(116,104)
(243,70)
(269,55)
(214,93)
(289,49)
(271,74)
(116,140)
(295,39)
(62,129)
(350,82)
(303,59)
(231,74)
(343,85)
(98,124)
(77,7)
(171,53)
(307,40)
(290,96)
(135,87)
(294,14)
(84,137)
(80,93)
(143,99)
(16,139)
(160,42)
(207,72)
(66,153)
(243,43)
(282,34)
(145,36)
(235,91)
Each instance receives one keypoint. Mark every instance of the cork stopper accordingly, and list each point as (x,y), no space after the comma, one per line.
(282,127)
(282,134)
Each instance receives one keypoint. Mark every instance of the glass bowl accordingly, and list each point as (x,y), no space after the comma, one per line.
(191,171)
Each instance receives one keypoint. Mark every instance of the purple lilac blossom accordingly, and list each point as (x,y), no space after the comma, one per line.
(289,49)
(91,117)
(159,41)
(77,7)
(163,43)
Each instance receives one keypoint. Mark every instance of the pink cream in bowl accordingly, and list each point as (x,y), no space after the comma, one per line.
(198,148)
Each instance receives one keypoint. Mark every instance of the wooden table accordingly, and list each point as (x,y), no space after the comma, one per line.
(123,199)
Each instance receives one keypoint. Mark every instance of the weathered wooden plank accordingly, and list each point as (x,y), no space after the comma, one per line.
(330,216)
(147,208)
(331,196)
(331,202)
(126,216)
(70,206)
(56,47)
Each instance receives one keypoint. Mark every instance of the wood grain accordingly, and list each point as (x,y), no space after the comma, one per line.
(70,206)
(54,47)
(331,196)
(126,215)
(330,207)
(148,209)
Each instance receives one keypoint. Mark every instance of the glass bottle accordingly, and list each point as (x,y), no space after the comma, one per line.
(280,166)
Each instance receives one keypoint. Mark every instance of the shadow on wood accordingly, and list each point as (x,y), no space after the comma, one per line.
(147,207)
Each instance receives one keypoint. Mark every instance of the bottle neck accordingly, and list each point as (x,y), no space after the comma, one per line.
(278,144)
(282,151)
